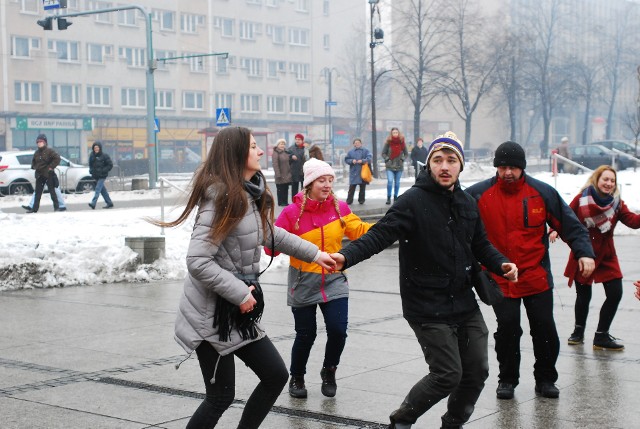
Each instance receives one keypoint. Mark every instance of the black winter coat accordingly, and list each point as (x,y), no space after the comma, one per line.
(100,165)
(44,161)
(435,280)
(297,174)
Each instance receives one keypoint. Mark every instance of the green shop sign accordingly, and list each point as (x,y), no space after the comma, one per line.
(24,123)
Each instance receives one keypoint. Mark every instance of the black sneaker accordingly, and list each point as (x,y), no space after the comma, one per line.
(604,341)
(108,206)
(60,209)
(505,391)
(92,206)
(296,387)
(26,207)
(547,390)
(32,211)
(329,385)
(388,201)
(577,337)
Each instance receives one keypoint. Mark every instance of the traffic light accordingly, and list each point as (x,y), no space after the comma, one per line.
(63,24)
(46,23)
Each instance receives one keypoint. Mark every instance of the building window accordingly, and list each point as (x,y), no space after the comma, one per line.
(254,2)
(160,54)
(253,66)
(275,67)
(193,100)
(249,103)
(224,100)
(135,57)
(28,92)
(271,3)
(133,98)
(189,23)
(98,96)
(275,104)
(127,17)
(248,30)
(325,7)
(21,47)
(299,36)
(222,65)
(164,99)
(225,25)
(196,64)
(65,51)
(326,42)
(277,34)
(301,70)
(63,93)
(96,52)
(105,18)
(302,6)
(299,105)
(165,19)
(29,6)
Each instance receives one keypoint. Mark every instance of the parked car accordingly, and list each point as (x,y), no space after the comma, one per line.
(17,177)
(621,146)
(592,156)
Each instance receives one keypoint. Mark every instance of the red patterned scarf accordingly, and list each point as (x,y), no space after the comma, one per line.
(396,145)
(597,212)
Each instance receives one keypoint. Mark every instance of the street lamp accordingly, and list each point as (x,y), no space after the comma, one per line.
(328,76)
(376,38)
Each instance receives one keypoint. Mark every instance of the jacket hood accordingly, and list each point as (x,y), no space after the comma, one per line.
(312,205)
(97,144)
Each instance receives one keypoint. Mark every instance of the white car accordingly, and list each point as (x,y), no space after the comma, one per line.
(17,177)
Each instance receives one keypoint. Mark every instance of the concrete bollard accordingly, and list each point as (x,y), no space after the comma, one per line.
(139,184)
(149,249)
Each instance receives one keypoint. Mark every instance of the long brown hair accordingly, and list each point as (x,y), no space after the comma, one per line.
(224,170)
(595,176)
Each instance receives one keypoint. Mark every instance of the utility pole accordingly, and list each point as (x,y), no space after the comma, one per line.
(328,75)
(376,38)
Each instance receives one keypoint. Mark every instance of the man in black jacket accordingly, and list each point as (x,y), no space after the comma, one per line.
(435,283)
(45,160)
(296,161)
(100,165)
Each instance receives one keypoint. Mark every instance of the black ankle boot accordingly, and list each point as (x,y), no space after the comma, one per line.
(388,201)
(604,341)
(329,385)
(577,337)
(296,387)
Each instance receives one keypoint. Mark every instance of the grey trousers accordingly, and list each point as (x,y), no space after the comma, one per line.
(457,355)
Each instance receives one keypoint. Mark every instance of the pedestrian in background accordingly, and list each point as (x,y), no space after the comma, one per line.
(316,152)
(418,154)
(563,150)
(99,167)
(216,316)
(435,283)
(297,159)
(61,206)
(516,209)
(394,153)
(282,171)
(355,159)
(44,162)
(599,207)
(317,216)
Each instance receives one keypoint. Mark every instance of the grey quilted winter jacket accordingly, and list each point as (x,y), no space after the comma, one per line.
(210,274)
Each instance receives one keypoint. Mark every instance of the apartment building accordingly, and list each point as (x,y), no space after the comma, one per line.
(88,82)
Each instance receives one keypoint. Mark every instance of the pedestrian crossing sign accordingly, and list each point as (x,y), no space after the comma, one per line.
(223,116)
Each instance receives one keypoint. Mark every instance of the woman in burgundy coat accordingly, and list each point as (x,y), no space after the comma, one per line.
(599,208)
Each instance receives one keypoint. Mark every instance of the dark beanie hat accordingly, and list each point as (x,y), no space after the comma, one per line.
(510,154)
(42,137)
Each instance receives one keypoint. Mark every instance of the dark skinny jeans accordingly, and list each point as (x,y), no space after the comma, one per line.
(263,359)
(613,292)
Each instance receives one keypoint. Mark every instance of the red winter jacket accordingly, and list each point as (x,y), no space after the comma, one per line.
(607,266)
(515,216)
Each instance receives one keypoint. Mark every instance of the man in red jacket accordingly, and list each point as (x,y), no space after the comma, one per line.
(516,210)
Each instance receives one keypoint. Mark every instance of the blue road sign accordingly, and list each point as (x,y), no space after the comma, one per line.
(51,4)
(331,103)
(223,116)
(156,127)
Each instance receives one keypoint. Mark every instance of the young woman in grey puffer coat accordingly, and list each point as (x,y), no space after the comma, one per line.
(234,220)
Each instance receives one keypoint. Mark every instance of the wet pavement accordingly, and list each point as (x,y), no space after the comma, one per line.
(104,357)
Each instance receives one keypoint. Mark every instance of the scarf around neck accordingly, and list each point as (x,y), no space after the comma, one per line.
(255,187)
(596,211)
(396,145)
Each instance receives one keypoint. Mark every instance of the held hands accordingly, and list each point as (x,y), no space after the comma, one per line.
(586,266)
(249,304)
(510,271)
(326,261)
(553,236)
(339,260)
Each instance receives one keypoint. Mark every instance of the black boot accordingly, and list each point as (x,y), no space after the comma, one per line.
(329,385)
(296,387)
(388,200)
(604,341)
(577,337)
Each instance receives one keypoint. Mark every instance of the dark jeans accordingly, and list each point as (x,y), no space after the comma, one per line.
(546,344)
(282,191)
(352,190)
(50,181)
(263,359)
(295,186)
(458,367)
(613,292)
(336,315)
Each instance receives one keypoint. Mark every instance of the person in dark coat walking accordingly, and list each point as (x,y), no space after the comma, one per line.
(599,207)
(45,160)
(435,283)
(355,159)
(99,167)
(282,172)
(418,153)
(298,158)
(516,209)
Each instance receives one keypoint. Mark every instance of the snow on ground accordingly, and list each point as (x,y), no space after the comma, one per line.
(88,247)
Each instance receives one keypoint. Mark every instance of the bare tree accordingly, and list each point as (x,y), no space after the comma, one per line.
(417,53)
(469,69)
(587,84)
(354,71)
